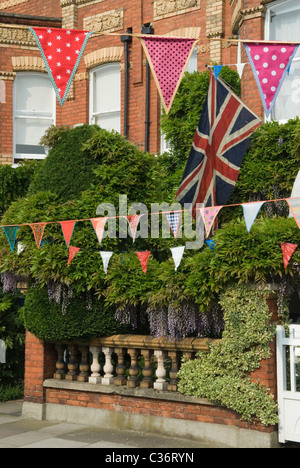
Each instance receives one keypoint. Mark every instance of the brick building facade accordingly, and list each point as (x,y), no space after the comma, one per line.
(98,93)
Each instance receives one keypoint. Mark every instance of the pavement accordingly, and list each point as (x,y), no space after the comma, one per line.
(16,432)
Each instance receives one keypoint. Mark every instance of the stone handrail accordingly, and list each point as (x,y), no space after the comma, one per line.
(161,359)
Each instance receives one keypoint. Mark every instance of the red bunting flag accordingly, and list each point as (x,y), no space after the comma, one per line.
(61,50)
(67,228)
(168,58)
(99,226)
(287,251)
(72,252)
(144,257)
(38,231)
(133,223)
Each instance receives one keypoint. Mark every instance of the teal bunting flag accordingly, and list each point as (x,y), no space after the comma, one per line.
(11,233)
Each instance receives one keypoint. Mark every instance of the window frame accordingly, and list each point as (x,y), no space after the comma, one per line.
(92,114)
(18,115)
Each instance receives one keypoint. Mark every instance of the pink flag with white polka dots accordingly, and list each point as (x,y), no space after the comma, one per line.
(61,50)
(270,63)
(168,58)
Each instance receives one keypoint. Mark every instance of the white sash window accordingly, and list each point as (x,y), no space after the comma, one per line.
(34,112)
(283,24)
(105,96)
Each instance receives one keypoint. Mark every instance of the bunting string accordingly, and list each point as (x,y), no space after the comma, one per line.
(288,200)
(208,215)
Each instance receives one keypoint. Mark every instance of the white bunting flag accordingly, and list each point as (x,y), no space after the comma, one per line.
(251,210)
(106,256)
(177,253)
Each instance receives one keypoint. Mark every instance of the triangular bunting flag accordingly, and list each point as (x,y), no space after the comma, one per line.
(177,253)
(61,50)
(209,215)
(217,70)
(106,256)
(67,229)
(38,231)
(174,220)
(144,257)
(11,232)
(294,204)
(250,212)
(270,63)
(133,223)
(72,252)
(211,244)
(168,58)
(287,251)
(240,69)
(99,226)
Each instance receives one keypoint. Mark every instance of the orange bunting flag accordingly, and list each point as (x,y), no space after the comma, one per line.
(99,226)
(144,257)
(72,252)
(38,231)
(133,223)
(287,251)
(67,229)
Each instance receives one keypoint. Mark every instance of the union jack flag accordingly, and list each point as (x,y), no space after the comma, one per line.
(221,140)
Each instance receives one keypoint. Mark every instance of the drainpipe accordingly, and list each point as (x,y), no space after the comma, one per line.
(147,29)
(126,39)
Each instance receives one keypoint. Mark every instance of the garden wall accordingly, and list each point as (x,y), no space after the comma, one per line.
(78,394)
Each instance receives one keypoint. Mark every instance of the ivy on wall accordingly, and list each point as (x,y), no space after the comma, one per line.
(223,375)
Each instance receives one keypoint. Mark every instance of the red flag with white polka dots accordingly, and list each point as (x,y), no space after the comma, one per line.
(61,50)
(270,63)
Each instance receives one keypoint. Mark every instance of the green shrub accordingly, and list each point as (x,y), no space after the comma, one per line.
(68,170)
(223,375)
(12,333)
(180,124)
(271,164)
(63,318)
(14,183)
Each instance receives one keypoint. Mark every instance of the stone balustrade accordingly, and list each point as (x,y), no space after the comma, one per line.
(127,360)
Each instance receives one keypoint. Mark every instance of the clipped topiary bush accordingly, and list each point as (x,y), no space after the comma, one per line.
(55,316)
(68,170)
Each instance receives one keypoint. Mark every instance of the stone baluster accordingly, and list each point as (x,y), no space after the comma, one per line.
(73,363)
(160,383)
(133,380)
(95,377)
(60,363)
(121,368)
(108,367)
(172,385)
(147,381)
(84,366)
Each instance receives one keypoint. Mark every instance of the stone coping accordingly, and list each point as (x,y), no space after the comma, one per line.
(136,392)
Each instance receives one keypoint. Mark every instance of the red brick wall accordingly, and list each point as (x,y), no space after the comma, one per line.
(136,13)
(40,364)
(50,8)
(161,408)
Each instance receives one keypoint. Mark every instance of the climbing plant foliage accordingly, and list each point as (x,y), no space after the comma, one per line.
(223,375)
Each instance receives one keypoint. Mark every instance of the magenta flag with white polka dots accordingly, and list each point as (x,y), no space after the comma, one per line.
(168,58)
(270,63)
